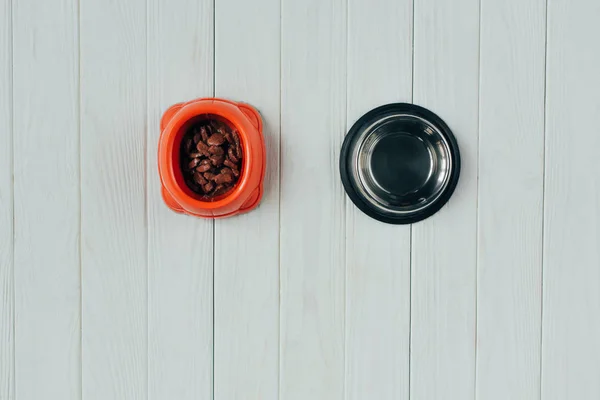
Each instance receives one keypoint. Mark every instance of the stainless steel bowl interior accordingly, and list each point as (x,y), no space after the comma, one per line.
(401,163)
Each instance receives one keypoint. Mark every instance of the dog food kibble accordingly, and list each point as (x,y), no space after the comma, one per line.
(211,158)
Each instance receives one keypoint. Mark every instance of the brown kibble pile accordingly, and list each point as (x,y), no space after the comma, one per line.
(211,158)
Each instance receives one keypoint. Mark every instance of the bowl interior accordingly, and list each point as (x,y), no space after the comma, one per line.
(401,163)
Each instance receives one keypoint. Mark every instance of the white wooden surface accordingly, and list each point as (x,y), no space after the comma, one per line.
(46,200)
(7,299)
(106,294)
(180,250)
(114,229)
(511,179)
(313,122)
(377,255)
(444,248)
(571,300)
(246,285)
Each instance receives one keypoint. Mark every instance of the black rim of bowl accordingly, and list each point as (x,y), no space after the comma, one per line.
(346,162)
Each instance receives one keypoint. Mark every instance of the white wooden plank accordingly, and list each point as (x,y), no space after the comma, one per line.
(47,206)
(180,248)
(114,234)
(7,372)
(313,123)
(571,298)
(443,263)
(247,246)
(377,255)
(511,173)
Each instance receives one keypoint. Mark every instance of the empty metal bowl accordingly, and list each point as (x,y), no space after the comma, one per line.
(399,163)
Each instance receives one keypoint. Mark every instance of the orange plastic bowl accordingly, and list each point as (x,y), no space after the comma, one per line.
(248,191)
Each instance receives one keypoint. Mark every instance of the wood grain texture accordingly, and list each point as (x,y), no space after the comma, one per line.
(7,340)
(180,248)
(377,255)
(444,246)
(571,298)
(313,123)
(511,175)
(114,234)
(46,180)
(247,246)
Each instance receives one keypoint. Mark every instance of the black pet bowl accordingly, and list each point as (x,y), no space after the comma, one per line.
(400,163)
